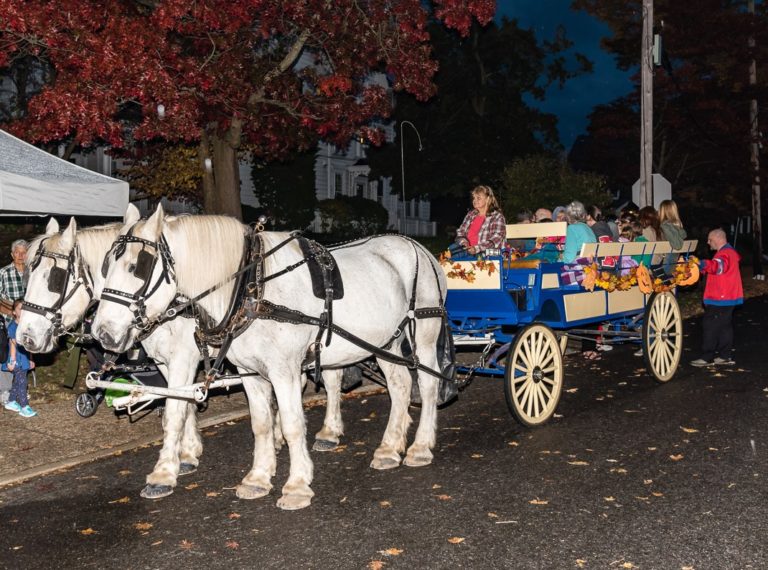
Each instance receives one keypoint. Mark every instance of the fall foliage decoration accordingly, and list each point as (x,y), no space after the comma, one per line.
(458,271)
(686,272)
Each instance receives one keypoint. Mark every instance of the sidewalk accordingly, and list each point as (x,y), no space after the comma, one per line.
(58,437)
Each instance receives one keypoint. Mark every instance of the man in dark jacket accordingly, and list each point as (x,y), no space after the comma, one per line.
(722,293)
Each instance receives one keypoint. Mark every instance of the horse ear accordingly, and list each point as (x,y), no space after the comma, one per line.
(132,215)
(154,225)
(52,227)
(68,236)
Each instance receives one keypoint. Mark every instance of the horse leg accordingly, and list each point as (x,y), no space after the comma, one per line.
(387,455)
(191,443)
(162,480)
(420,451)
(258,482)
(333,428)
(297,493)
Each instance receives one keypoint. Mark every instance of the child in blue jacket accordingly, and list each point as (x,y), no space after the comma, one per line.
(20,363)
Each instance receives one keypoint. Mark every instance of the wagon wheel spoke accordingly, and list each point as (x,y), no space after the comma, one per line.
(662,334)
(534,375)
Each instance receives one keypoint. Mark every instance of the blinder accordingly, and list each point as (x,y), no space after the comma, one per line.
(145,263)
(57,279)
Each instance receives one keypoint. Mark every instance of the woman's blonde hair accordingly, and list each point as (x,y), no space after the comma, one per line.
(493,203)
(668,213)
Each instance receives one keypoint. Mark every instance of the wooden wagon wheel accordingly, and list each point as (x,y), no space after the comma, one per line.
(533,380)
(662,336)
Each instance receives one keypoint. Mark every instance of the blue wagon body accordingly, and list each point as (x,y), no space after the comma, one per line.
(520,315)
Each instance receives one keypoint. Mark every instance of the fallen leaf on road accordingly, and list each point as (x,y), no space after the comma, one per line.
(436,486)
(339,449)
(212,494)
(538,501)
(689,430)
(232,544)
(657,494)
(512,443)
(233,516)
(677,457)
(142,526)
(476,455)
(88,531)
(191,486)
(619,470)
(385,504)
(157,543)
(443,497)
(578,463)
(609,499)
(456,540)
(375,565)
(120,500)
(88,477)
(391,552)
(572,390)
(124,472)
(493,515)
(186,544)
(647,481)
(581,563)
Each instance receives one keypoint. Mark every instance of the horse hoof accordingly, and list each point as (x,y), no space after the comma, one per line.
(416,461)
(187,468)
(294,502)
(249,492)
(156,491)
(384,463)
(324,445)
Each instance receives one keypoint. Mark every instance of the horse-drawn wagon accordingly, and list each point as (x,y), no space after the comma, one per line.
(521,313)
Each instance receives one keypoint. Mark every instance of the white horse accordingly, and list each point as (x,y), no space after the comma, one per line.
(379,281)
(79,255)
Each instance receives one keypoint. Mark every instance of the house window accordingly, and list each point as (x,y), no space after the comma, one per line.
(338,187)
(380,193)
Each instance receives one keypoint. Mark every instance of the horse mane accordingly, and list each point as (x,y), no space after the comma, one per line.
(94,243)
(207,250)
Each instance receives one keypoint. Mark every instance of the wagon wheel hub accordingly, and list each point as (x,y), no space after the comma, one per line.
(538,374)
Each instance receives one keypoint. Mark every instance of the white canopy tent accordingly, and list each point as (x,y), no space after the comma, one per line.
(36,183)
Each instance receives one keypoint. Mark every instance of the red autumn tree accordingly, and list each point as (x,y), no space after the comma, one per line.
(224,71)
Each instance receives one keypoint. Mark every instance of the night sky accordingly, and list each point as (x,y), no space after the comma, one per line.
(578,97)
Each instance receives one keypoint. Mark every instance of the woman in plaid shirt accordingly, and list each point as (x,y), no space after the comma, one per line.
(484,226)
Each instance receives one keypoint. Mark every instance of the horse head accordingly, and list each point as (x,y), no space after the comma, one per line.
(139,282)
(58,289)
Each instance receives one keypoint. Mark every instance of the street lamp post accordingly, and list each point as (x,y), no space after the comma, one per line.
(402,167)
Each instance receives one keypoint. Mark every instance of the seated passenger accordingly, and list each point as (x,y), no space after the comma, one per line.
(484,226)
(523,246)
(578,232)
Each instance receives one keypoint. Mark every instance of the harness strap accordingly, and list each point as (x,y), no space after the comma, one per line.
(270,311)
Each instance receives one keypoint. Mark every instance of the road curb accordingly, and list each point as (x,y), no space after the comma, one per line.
(223,417)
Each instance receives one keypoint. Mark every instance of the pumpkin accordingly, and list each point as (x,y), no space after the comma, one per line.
(644,281)
(693,277)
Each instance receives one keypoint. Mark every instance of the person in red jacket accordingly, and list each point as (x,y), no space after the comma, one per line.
(722,293)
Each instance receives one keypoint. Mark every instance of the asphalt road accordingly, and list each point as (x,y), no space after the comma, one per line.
(630,474)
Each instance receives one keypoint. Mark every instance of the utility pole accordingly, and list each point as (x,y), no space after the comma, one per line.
(646,107)
(754,132)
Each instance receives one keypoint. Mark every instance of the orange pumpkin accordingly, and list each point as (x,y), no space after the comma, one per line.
(644,281)
(693,277)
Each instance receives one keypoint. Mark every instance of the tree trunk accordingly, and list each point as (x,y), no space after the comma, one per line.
(221,181)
